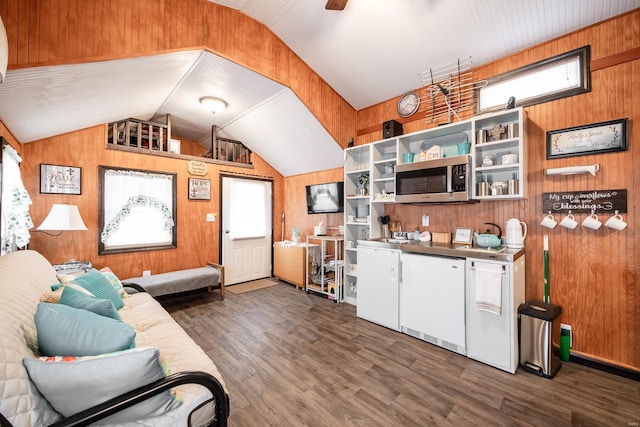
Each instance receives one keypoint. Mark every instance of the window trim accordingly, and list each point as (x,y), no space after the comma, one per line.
(102,250)
(584,56)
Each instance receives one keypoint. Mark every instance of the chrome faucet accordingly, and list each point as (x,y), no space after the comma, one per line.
(397,226)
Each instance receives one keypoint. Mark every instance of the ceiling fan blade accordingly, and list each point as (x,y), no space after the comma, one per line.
(335,4)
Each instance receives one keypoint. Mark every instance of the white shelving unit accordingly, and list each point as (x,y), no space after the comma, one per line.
(379,159)
(383,168)
(357,214)
(493,150)
(447,137)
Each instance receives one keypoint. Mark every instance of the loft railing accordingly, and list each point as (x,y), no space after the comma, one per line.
(139,134)
(150,138)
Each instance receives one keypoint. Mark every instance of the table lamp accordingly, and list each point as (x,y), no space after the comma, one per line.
(62,217)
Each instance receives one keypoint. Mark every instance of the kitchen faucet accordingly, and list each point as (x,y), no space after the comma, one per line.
(397,227)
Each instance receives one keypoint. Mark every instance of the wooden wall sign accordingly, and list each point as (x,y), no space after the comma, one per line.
(595,138)
(197,168)
(600,201)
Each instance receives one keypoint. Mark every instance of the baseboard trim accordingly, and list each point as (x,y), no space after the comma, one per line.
(604,366)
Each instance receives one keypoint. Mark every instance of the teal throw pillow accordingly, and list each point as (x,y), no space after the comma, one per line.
(99,286)
(73,384)
(115,282)
(68,331)
(76,299)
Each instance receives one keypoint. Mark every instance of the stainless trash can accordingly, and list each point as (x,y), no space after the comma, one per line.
(536,328)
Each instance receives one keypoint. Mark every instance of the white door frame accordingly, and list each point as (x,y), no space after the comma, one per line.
(222,221)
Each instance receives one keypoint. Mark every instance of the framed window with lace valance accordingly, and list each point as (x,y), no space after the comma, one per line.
(137,210)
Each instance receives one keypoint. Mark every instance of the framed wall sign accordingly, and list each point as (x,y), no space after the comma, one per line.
(587,201)
(58,179)
(199,189)
(603,137)
(463,235)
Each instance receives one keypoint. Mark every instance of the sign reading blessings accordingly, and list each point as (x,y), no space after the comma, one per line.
(599,201)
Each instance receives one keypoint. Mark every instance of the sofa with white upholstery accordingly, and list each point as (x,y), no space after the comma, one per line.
(156,375)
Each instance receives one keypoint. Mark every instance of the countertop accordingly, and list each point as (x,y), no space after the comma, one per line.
(501,253)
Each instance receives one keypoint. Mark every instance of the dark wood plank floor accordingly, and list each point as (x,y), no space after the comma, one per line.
(293,359)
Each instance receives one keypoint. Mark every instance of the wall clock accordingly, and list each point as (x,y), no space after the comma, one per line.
(408,104)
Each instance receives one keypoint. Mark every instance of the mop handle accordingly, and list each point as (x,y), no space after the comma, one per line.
(546,268)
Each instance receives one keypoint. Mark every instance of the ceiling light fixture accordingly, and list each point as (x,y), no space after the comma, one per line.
(213,104)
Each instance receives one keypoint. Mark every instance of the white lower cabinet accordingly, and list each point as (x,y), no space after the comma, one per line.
(432,300)
(378,276)
(493,338)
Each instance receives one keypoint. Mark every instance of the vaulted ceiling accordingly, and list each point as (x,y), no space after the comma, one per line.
(371,51)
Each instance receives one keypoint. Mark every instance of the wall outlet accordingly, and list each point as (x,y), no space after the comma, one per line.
(146,272)
(567,327)
(425,220)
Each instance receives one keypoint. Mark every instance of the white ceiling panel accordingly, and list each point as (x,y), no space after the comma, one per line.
(296,142)
(370,52)
(40,102)
(215,76)
(374,50)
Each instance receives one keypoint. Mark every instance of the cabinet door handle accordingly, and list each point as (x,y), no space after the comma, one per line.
(473,267)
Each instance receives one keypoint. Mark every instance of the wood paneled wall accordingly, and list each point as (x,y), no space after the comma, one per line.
(296,203)
(594,275)
(46,32)
(52,32)
(9,138)
(198,240)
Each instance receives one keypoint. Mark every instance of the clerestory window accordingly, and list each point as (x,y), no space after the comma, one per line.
(558,77)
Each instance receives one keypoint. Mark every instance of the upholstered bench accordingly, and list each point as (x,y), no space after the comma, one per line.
(172,282)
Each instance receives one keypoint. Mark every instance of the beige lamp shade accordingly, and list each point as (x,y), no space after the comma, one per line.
(63,217)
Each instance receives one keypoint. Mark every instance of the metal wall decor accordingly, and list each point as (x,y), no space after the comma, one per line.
(448,89)
(199,189)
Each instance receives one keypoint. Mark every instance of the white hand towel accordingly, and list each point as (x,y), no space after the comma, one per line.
(489,290)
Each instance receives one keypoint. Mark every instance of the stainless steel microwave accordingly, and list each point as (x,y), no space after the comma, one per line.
(434,181)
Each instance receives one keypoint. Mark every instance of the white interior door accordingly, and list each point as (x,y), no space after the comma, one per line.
(246,229)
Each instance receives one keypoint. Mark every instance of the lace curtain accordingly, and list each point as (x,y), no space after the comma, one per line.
(16,220)
(137,209)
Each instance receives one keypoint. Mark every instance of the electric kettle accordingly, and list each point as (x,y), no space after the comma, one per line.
(515,233)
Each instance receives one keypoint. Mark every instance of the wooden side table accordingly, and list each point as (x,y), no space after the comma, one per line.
(289,263)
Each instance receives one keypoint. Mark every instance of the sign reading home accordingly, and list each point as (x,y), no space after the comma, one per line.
(599,201)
